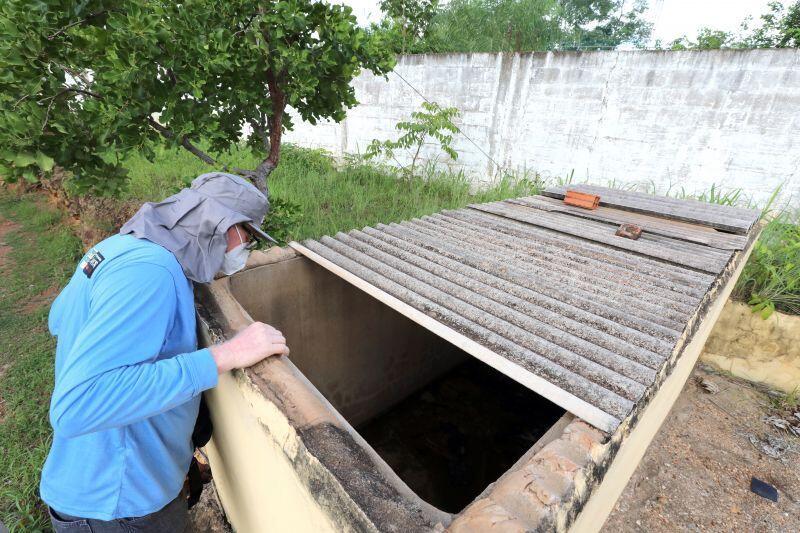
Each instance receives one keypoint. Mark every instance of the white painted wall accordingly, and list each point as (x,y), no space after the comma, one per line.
(670,119)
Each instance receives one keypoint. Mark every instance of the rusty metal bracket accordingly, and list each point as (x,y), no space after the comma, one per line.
(629,231)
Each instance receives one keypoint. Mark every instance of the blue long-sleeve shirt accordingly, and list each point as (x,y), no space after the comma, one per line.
(128,378)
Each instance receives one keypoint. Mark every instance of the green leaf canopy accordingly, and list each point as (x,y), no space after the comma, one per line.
(84,83)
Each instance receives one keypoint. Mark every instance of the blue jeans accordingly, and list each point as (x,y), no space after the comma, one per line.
(172,518)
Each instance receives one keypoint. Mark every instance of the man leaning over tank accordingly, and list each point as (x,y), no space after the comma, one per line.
(128,374)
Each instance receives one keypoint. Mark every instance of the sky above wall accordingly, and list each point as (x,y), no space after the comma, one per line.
(672,18)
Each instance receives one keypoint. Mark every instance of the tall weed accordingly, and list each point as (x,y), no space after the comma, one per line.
(771,279)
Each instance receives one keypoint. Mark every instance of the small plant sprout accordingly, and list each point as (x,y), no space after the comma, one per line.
(433,121)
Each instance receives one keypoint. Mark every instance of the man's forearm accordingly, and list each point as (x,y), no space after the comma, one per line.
(128,394)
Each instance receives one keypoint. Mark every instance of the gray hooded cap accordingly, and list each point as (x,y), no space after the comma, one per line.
(192,224)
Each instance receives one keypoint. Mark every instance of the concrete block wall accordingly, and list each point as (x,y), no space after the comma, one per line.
(660,119)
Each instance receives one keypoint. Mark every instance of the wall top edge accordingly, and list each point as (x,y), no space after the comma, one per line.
(721,51)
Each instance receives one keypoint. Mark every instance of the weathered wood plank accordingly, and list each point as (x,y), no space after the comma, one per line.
(669,228)
(732,219)
(676,252)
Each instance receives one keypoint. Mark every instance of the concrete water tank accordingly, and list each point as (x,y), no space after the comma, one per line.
(384,419)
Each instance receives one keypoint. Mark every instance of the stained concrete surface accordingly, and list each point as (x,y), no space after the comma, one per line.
(765,351)
(696,474)
(207,516)
(360,354)
(275,461)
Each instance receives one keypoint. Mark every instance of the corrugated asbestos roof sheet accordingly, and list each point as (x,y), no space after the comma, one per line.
(545,292)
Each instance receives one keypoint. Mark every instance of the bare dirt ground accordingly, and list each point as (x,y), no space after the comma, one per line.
(696,474)
(207,515)
(45,297)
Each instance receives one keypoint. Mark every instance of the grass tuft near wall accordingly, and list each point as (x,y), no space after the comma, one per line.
(326,198)
(771,279)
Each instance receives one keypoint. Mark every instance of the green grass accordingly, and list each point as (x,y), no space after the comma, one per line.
(786,402)
(329,198)
(771,279)
(43,254)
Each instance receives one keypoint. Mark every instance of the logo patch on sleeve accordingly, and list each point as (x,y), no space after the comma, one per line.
(90,262)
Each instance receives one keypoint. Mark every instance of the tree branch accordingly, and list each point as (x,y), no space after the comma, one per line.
(47,113)
(185,142)
(85,92)
(246,25)
(259,128)
(76,23)
(19,101)
(275,127)
(59,93)
(74,73)
(204,157)
(70,90)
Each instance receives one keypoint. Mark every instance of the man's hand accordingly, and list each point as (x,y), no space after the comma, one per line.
(254,343)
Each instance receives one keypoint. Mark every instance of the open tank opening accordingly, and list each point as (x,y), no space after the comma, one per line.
(446,423)
(452,438)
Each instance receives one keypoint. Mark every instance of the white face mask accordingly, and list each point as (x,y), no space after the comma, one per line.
(235,259)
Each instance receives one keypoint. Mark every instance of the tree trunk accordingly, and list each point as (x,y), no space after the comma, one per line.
(275,127)
(266,167)
(260,174)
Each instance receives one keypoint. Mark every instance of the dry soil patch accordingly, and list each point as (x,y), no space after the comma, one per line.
(696,474)
(45,297)
(207,515)
(6,226)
